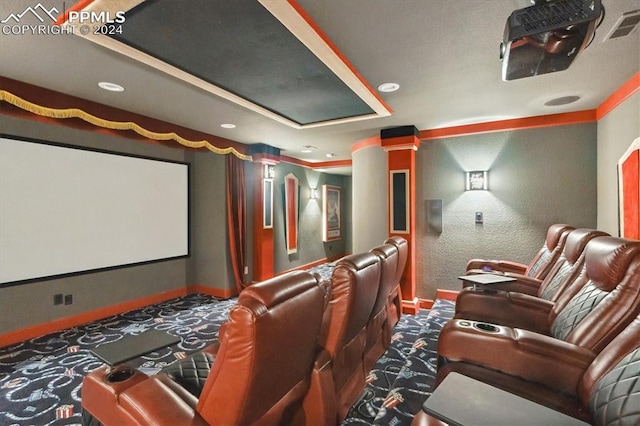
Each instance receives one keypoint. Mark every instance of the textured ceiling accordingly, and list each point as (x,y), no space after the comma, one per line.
(443,53)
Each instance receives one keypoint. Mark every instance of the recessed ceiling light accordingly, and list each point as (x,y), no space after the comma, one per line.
(112,87)
(564,100)
(331,154)
(388,87)
(306,150)
(228,126)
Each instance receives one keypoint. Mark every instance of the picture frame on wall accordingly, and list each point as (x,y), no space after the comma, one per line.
(331,213)
(267,211)
(291,212)
(629,192)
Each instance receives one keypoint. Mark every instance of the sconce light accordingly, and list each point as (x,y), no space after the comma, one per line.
(314,194)
(269,171)
(477,180)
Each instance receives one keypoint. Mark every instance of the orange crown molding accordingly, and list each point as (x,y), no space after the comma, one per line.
(315,166)
(619,96)
(366,143)
(578,117)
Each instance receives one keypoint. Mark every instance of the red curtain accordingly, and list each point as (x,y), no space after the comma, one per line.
(236,217)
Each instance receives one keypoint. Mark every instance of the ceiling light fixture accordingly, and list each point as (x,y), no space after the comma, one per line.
(563,100)
(111,87)
(228,126)
(388,87)
(306,150)
(331,154)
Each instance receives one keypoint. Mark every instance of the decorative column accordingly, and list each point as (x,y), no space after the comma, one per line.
(401,144)
(265,158)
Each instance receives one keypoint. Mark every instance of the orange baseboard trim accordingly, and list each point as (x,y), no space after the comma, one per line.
(220,293)
(425,303)
(86,317)
(447,294)
(410,307)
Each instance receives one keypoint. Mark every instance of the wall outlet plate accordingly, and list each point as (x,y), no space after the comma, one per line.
(479,218)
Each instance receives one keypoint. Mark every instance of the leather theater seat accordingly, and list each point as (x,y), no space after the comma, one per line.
(539,266)
(609,299)
(607,392)
(339,375)
(394,304)
(502,307)
(378,334)
(259,372)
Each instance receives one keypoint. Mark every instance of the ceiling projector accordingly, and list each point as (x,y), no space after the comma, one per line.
(547,36)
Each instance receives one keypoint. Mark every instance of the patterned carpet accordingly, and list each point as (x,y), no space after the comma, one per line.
(40,379)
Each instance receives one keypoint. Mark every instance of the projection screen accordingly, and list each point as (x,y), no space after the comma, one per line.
(67,210)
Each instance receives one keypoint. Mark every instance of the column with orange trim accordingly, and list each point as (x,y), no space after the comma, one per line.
(265,157)
(401,144)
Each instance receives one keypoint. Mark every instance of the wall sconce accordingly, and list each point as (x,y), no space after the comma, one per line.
(269,171)
(477,180)
(314,193)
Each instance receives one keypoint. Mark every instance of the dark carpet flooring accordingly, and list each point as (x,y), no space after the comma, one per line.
(40,379)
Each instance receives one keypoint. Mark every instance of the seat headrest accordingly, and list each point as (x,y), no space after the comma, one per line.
(554,233)
(358,261)
(278,289)
(607,260)
(577,240)
(384,250)
(396,241)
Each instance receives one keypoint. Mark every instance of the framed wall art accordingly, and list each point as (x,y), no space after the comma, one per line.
(291,212)
(331,220)
(629,192)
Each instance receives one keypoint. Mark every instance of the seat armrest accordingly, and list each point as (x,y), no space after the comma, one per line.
(531,356)
(522,284)
(504,308)
(497,265)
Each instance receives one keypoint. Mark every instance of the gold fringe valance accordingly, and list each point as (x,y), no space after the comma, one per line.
(114,125)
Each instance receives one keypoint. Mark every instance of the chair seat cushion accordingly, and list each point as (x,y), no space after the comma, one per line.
(191,372)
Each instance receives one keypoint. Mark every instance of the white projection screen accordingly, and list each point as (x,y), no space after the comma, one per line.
(65,210)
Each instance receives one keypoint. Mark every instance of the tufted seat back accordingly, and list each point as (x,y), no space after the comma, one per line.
(378,335)
(355,283)
(608,297)
(569,264)
(540,264)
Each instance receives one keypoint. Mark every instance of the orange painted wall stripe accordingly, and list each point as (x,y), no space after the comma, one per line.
(619,96)
(366,143)
(578,117)
(337,51)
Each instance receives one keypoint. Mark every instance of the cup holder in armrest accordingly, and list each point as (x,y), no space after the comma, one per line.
(120,375)
(487,328)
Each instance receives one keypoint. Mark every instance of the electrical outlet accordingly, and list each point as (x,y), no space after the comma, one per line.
(68,299)
(57,299)
(479,217)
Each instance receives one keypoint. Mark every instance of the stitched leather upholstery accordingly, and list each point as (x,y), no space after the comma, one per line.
(394,304)
(616,398)
(191,372)
(580,306)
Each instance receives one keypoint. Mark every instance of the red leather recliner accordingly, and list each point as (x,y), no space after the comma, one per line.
(607,302)
(606,393)
(260,375)
(501,307)
(378,332)
(394,304)
(338,376)
(539,266)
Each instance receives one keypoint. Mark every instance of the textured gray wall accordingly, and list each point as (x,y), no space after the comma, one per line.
(616,131)
(310,245)
(31,304)
(370,210)
(537,177)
